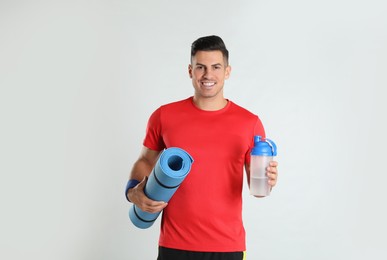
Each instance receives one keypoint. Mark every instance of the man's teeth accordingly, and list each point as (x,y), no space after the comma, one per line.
(208,84)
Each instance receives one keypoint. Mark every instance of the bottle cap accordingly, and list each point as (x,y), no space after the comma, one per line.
(264,147)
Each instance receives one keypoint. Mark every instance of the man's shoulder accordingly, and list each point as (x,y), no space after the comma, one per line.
(176,104)
(241,110)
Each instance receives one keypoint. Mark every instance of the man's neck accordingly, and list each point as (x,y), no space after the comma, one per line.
(210,104)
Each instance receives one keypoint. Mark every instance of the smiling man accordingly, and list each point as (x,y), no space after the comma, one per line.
(208,71)
(203,220)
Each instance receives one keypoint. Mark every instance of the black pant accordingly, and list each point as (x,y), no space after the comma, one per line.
(174,254)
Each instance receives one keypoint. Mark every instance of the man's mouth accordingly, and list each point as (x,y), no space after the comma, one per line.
(208,84)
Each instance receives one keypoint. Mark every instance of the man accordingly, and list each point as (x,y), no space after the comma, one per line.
(203,220)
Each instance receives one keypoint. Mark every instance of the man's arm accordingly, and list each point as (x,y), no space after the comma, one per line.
(140,171)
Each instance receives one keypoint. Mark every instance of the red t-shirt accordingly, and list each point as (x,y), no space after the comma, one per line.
(205,213)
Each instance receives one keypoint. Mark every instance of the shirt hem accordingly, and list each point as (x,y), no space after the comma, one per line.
(223,249)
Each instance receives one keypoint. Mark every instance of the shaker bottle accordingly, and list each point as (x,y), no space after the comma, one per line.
(262,153)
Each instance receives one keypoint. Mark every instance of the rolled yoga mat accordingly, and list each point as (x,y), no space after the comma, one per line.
(169,172)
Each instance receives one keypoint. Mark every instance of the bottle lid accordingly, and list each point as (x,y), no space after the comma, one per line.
(263,146)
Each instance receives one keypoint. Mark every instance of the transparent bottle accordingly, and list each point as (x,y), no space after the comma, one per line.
(262,153)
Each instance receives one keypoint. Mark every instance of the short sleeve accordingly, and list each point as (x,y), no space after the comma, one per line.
(153,136)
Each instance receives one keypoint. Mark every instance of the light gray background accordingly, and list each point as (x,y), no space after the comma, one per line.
(79,80)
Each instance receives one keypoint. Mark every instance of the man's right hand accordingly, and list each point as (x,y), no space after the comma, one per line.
(137,196)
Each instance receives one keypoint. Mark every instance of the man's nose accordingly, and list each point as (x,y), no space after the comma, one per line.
(207,73)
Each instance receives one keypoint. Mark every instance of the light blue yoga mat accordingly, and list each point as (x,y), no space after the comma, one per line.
(169,172)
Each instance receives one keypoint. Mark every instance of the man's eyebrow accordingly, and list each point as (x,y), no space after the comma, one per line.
(216,64)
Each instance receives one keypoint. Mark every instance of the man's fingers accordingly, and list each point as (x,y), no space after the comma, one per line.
(273,163)
(272,173)
(153,206)
(146,204)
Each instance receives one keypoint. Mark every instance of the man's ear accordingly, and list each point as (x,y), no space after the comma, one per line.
(228,72)
(190,70)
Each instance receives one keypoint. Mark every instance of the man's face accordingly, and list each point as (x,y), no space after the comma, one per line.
(208,72)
